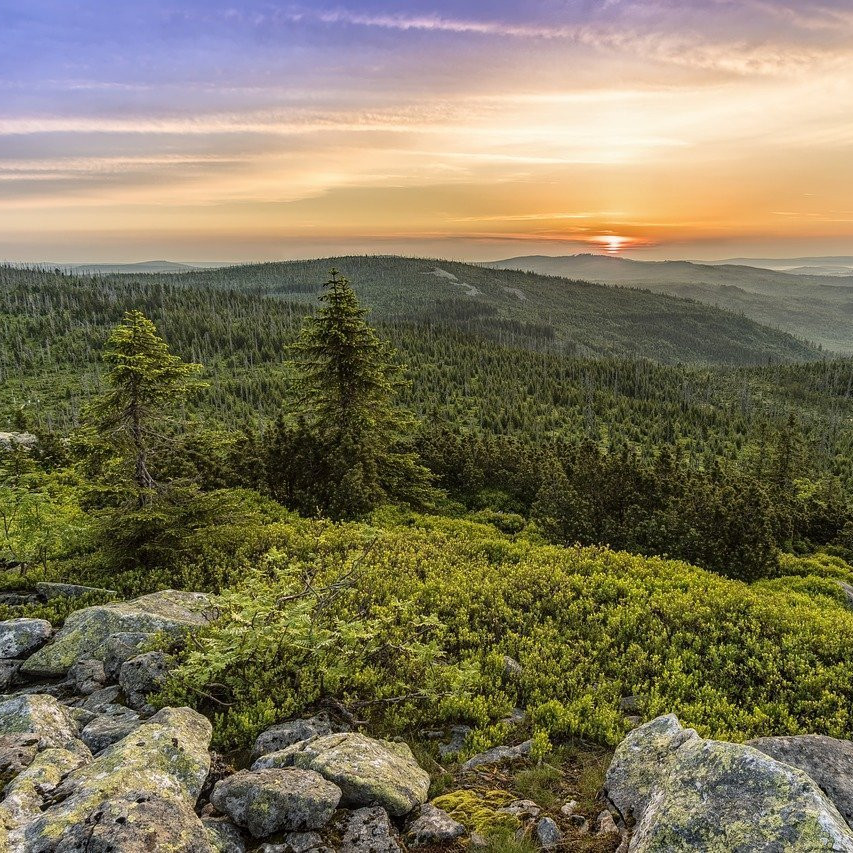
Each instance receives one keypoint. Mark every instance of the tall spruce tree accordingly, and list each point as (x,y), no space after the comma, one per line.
(347,385)
(145,382)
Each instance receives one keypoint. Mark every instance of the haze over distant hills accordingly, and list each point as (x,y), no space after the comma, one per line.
(826,265)
(140,267)
(815,307)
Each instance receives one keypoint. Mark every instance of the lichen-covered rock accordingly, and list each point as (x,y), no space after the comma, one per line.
(826,760)
(121,647)
(433,826)
(21,637)
(45,717)
(25,795)
(223,836)
(367,771)
(137,795)
(499,755)
(725,798)
(272,800)
(368,830)
(109,728)
(17,752)
(85,631)
(641,760)
(142,675)
(286,734)
(132,821)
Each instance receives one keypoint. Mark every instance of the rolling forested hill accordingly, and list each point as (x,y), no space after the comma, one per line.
(512,308)
(814,307)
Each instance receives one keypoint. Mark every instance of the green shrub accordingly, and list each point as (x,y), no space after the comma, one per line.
(421,609)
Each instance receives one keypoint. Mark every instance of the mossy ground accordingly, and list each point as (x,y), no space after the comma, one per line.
(573,771)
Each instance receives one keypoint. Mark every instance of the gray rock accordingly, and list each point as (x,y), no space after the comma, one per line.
(49,591)
(826,760)
(8,671)
(516,718)
(98,700)
(458,738)
(294,842)
(719,797)
(499,755)
(17,752)
(43,716)
(137,795)
(21,637)
(286,734)
(223,836)
(512,668)
(639,762)
(19,599)
(629,705)
(23,440)
(367,771)
(433,826)
(109,728)
(88,675)
(142,675)
(85,631)
(272,800)
(569,808)
(548,834)
(606,824)
(121,647)
(369,830)
(302,842)
(522,809)
(81,716)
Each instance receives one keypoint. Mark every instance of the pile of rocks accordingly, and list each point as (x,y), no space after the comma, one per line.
(86,764)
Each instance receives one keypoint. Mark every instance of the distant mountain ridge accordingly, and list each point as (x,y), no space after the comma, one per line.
(516,309)
(815,307)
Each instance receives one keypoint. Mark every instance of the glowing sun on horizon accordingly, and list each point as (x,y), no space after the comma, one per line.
(612,244)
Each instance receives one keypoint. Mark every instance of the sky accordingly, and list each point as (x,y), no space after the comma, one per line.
(204,130)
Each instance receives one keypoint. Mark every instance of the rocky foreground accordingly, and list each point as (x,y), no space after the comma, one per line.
(88,765)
